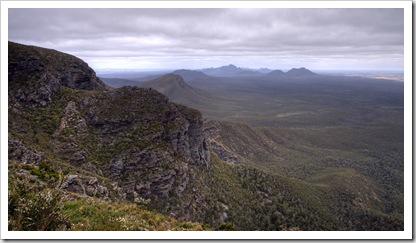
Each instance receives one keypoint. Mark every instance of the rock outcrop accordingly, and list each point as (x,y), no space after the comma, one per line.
(19,152)
(35,74)
(153,141)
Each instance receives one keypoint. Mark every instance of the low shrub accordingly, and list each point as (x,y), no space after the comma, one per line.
(35,206)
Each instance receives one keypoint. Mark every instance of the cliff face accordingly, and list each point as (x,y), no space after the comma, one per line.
(62,113)
(35,74)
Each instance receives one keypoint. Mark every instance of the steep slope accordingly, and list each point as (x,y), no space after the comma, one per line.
(191,76)
(328,178)
(126,143)
(175,87)
(171,85)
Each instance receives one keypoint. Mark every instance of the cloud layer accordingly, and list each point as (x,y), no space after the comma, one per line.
(196,38)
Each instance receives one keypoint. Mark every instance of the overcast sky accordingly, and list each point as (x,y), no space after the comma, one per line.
(318,39)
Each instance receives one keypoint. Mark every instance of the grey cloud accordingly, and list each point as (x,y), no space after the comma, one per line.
(300,33)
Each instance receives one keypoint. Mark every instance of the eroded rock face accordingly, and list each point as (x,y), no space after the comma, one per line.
(19,152)
(217,147)
(86,185)
(223,153)
(149,173)
(36,74)
(157,140)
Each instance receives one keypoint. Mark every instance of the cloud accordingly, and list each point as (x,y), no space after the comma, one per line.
(196,37)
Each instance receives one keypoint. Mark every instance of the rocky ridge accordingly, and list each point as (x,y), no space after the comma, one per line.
(36,74)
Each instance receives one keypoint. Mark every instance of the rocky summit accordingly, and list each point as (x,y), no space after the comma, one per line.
(35,74)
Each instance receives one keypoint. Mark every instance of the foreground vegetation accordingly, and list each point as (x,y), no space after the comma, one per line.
(35,204)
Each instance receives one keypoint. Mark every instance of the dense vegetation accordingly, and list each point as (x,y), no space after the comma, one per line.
(338,141)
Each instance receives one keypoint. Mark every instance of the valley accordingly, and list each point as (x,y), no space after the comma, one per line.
(344,134)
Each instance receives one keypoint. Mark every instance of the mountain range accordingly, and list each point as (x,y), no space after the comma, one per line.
(232,70)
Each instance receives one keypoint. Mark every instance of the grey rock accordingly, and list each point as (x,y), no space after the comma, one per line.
(19,152)
(222,152)
(87,185)
(36,74)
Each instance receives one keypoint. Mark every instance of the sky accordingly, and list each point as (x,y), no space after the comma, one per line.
(275,38)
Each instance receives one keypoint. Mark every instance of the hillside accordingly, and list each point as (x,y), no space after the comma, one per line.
(326,175)
(180,91)
(131,141)
(192,76)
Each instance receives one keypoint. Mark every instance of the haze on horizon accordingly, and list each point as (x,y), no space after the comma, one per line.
(274,38)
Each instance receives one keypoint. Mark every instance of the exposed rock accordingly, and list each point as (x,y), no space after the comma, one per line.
(71,152)
(149,172)
(19,152)
(72,120)
(86,185)
(36,74)
(91,168)
(222,152)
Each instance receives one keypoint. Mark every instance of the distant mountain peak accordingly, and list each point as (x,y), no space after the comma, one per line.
(229,70)
(299,72)
(230,67)
(276,73)
(169,84)
(191,75)
(187,72)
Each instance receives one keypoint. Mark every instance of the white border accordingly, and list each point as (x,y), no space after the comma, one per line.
(205,4)
(408,120)
(406,234)
(4,121)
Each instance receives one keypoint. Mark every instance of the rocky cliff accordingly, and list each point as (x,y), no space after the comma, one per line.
(60,112)
(35,74)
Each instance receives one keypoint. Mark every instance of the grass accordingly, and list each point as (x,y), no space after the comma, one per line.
(93,215)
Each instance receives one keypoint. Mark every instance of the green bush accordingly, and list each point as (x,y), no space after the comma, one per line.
(35,206)
(227,227)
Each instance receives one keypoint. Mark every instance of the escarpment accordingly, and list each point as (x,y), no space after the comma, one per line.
(61,112)
(36,74)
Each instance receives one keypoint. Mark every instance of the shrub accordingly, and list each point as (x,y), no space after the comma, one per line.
(35,206)
(227,227)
